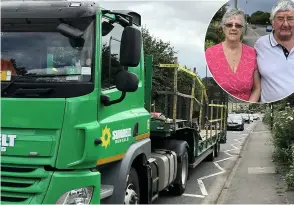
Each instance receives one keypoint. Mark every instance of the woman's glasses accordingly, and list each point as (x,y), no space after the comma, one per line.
(230,25)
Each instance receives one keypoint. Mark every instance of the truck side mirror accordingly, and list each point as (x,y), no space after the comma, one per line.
(125,82)
(130,49)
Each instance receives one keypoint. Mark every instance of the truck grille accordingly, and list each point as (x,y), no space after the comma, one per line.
(23,184)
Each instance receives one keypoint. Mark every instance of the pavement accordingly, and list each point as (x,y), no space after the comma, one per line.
(207,180)
(254,179)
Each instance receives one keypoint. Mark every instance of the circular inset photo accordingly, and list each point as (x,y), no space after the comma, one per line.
(249,49)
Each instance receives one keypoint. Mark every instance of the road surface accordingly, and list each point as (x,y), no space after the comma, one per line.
(207,179)
(253,34)
(255,179)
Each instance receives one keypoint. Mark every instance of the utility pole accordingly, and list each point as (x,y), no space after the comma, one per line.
(246,11)
(236,4)
(272,115)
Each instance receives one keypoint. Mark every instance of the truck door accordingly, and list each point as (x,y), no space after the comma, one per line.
(118,121)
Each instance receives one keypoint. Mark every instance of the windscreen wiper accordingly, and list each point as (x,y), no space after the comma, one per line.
(35,75)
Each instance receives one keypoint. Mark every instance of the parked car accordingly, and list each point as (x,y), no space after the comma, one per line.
(250,117)
(269,28)
(246,117)
(235,122)
(253,27)
(256,117)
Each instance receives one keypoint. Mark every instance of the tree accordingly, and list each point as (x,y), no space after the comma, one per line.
(260,17)
(248,18)
(221,12)
(214,34)
(164,53)
(208,43)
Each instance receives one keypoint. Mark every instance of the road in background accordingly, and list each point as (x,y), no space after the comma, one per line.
(253,34)
(207,180)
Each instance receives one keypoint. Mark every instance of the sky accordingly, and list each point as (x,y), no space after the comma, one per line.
(183,23)
(255,5)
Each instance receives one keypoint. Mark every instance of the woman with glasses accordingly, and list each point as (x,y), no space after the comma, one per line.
(233,64)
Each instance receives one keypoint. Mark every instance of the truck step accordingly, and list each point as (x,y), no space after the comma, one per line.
(106,191)
(154,197)
(156,179)
(201,158)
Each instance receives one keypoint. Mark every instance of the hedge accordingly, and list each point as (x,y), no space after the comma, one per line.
(283,141)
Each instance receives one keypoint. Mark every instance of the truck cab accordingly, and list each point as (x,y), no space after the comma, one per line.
(72,101)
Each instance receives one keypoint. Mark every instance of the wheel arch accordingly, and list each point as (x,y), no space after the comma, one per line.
(137,155)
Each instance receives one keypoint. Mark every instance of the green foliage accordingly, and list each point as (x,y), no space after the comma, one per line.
(208,43)
(260,17)
(214,33)
(162,80)
(257,107)
(220,13)
(162,52)
(267,116)
(283,140)
(290,100)
(290,175)
(248,18)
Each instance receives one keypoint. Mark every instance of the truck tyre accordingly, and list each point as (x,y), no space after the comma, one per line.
(180,183)
(132,189)
(216,149)
(212,155)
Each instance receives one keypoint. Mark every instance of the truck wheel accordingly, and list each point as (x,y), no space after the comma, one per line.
(180,183)
(216,149)
(133,189)
(211,156)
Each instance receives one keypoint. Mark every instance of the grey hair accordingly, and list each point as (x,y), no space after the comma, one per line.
(282,5)
(233,12)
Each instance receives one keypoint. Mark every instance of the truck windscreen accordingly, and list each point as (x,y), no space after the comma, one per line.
(36,47)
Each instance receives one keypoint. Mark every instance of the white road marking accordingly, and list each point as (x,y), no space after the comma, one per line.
(202,187)
(227,152)
(194,195)
(225,159)
(254,32)
(222,170)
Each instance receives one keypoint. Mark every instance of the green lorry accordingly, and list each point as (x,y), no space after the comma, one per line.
(79,123)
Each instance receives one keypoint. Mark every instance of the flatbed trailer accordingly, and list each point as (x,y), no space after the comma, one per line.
(179,131)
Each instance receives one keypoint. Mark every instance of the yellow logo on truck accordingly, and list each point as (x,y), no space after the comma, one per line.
(105,137)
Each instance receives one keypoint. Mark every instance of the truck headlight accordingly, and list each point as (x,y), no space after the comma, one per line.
(76,196)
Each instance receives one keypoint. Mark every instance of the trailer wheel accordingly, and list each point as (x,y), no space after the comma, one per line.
(132,195)
(216,149)
(180,183)
(212,155)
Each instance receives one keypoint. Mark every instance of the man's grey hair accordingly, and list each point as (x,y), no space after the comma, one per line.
(233,12)
(282,5)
